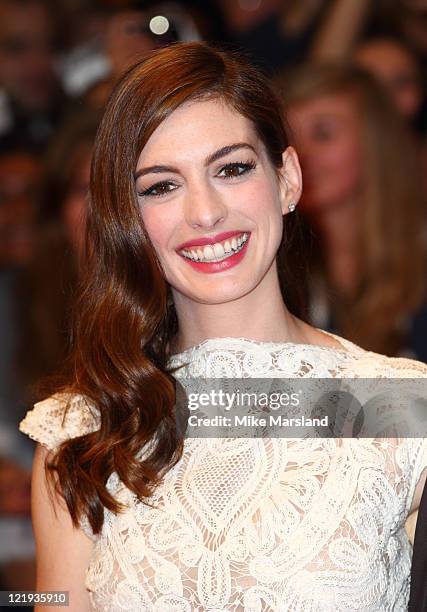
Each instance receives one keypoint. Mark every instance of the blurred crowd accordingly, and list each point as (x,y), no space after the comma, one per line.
(352,79)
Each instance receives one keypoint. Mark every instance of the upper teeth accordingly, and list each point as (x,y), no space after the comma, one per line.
(217,251)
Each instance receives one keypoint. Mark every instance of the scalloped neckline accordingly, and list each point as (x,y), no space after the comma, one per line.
(345,345)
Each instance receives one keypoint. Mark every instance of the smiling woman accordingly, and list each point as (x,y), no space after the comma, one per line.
(192,187)
(221,178)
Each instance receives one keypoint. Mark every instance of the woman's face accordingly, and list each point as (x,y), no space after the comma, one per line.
(327,137)
(212,203)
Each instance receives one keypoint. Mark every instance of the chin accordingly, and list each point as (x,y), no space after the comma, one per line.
(222,294)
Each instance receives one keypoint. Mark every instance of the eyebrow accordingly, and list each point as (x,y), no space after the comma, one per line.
(213,157)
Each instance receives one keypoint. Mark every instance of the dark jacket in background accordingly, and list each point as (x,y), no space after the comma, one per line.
(418,593)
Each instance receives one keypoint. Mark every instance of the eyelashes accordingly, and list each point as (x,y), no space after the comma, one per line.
(240,167)
(158,189)
(230,171)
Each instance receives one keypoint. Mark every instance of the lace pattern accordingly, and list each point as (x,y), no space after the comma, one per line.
(259,525)
(59,418)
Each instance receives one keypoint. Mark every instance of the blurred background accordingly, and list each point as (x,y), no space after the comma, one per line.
(351,76)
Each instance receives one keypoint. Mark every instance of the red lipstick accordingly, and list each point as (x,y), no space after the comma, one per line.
(204,240)
(211,267)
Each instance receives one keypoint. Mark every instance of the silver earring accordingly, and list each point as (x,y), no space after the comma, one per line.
(292,206)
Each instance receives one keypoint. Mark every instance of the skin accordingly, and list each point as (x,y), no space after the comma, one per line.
(199,200)
(327,136)
(127,40)
(26,55)
(397,69)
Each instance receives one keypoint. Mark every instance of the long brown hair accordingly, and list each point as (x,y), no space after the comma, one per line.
(125,316)
(392,253)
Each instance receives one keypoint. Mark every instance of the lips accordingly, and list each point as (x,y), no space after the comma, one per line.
(204,240)
(216,253)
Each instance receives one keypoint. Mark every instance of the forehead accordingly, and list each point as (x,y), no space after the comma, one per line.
(198,128)
(340,105)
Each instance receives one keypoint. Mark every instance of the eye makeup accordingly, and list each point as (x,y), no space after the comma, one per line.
(228,171)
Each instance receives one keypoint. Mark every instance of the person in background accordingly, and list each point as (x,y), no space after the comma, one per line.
(364,207)
(41,227)
(127,38)
(31,98)
(396,66)
(418,591)
(408,19)
(20,183)
(192,183)
(54,273)
(274,34)
(21,175)
(376,37)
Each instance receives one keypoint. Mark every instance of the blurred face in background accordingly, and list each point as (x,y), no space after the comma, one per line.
(20,181)
(75,204)
(413,23)
(394,66)
(327,138)
(26,54)
(127,39)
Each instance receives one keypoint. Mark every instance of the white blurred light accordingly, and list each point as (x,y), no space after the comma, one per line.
(159,25)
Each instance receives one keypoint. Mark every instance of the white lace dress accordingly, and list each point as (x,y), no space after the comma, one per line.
(257,525)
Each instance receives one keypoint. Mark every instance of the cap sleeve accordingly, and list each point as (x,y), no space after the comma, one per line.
(50,422)
(417,463)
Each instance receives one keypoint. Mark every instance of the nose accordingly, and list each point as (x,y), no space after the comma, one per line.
(204,207)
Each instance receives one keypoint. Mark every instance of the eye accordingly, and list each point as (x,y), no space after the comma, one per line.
(324,131)
(158,189)
(236,169)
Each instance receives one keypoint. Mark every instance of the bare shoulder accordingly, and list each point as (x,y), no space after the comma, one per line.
(63,551)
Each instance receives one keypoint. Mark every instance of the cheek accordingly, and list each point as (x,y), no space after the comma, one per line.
(259,199)
(333,176)
(340,155)
(407,100)
(345,160)
(159,225)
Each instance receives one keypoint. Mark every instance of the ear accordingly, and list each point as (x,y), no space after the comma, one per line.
(290,179)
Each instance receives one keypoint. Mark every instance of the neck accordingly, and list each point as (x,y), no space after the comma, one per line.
(260,315)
